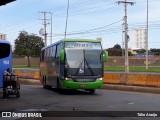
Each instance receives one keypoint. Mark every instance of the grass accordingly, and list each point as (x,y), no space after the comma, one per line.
(133,69)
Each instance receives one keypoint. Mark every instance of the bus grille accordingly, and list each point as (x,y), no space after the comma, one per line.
(84,80)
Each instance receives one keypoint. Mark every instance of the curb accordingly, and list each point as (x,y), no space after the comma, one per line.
(142,89)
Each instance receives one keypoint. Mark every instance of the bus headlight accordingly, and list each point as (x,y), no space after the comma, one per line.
(99,79)
(67,78)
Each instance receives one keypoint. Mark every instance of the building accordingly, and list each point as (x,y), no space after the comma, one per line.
(138,39)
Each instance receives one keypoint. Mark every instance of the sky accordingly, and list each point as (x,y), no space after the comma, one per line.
(89,19)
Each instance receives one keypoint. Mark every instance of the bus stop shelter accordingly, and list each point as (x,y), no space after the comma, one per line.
(4,2)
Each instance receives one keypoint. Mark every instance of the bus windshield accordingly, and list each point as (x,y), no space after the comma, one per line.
(4,50)
(76,58)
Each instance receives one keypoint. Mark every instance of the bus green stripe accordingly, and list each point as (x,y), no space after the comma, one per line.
(83,85)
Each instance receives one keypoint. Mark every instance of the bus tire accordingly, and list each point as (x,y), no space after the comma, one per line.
(91,91)
(5,95)
(58,85)
(18,94)
(44,83)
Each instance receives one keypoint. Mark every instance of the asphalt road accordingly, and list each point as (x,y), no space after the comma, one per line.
(35,98)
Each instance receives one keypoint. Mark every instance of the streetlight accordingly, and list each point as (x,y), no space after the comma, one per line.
(147,38)
(51,29)
(67,19)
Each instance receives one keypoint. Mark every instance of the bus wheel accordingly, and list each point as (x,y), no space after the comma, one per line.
(91,91)
(5,95)
(18,94)
(58,85)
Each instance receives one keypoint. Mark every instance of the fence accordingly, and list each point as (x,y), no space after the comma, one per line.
(115,63)
(23,61)
(118,61)
(136,63)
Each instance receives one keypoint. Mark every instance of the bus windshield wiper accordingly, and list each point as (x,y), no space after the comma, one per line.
(79,67)
(89,67)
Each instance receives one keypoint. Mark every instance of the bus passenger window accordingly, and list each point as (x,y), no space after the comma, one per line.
(42,56)
(58,51)
(53,52)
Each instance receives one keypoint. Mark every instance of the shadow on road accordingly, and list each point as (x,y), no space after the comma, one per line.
(72,92)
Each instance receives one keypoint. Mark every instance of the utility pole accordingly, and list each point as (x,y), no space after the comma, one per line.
(126,33)
(45,26)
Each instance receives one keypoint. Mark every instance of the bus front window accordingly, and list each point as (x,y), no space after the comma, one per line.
(74,57)
(83,62)
(4,50)
(93,58)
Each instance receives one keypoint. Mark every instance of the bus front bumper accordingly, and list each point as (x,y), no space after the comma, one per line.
(83,85)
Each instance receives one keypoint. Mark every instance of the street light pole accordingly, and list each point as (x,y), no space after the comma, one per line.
(147,38)
(67,19)
(51,29)
(126,34)
(126,40)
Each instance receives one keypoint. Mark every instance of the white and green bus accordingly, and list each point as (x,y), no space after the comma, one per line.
(73,64)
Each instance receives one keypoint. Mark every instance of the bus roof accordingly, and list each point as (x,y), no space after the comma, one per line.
(5,41)
(72,40)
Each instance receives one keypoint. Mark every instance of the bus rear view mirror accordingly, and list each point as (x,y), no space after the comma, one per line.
(105,56)
(62,55)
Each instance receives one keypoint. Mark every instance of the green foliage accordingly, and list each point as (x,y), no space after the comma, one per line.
(155,51)
(28,45)
(115,51)
(117,46)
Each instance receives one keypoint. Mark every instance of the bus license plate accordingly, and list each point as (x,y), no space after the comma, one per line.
(83,85)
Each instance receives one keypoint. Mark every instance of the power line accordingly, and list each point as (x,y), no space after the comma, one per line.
(90,30)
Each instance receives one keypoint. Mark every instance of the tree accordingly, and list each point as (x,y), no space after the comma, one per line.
(117,46)
(28,45)
(115,51)
(155,51)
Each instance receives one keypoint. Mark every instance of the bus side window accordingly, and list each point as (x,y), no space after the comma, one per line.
(58,51)
(49,53)
(46,55)
(42,56)
(53,52)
